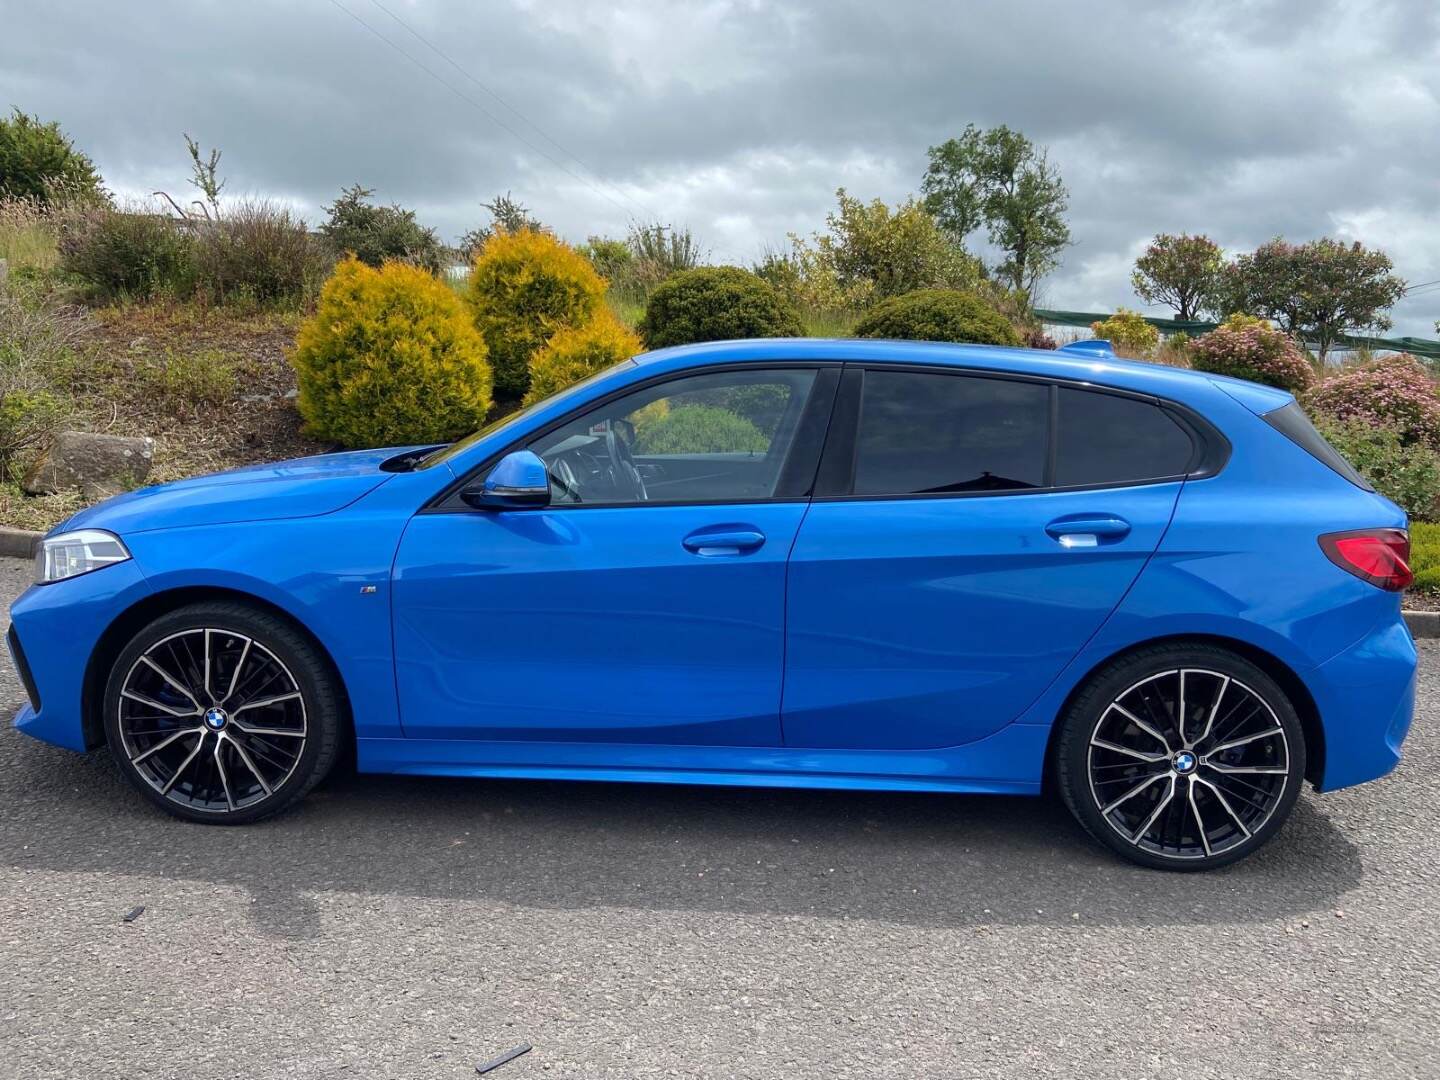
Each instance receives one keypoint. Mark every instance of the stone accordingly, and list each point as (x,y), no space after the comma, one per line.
(98,466)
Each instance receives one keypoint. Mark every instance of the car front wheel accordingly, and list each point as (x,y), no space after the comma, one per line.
(222,713)
(1181,757)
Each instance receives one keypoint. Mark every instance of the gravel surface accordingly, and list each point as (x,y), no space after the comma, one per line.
(410,928)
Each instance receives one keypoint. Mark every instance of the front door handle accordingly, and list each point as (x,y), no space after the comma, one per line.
(710,543)
(1087,530)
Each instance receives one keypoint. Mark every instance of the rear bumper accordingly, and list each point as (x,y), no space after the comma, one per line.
(1366,698)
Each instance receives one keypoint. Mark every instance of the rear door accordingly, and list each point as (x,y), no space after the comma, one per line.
(969,534)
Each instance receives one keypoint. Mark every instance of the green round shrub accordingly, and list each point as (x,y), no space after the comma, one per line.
(716,303)
(938,315)
(524,288)
(390,358)
(698,429)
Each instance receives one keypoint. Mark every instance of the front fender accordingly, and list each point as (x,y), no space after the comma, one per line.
(331,575)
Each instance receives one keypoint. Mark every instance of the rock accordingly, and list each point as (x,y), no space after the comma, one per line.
(97,465)
(291,394)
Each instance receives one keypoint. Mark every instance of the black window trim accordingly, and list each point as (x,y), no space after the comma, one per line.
(835,481)
(793,471)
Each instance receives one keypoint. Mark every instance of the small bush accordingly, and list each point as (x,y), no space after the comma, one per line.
(611,258)
(29,419)
(376,234)
(257,252)
(938,315)
(525,287)
(698,429)
(390,358)
(1249,348)
(575,354)
(1128,332)
(716,303)
(1425,554)
(1409,474)
(127,253)
(1035,337)
(1394,391)
(185,382)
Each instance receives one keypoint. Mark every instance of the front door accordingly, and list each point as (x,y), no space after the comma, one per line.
(646,603)
(982,532)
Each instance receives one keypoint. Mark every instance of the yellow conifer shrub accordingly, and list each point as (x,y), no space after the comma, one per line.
(390,358)
(572,355)
(525,287)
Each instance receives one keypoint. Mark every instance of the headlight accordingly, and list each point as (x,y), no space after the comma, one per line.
(74,553)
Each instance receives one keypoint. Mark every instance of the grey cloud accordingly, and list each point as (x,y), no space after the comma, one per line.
(740,118)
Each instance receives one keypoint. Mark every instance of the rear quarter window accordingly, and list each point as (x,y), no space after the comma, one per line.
(1110,439)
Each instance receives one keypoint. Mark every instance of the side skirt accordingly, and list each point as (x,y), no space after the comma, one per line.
(1008,762)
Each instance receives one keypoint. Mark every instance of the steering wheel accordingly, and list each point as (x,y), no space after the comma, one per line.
(622,465)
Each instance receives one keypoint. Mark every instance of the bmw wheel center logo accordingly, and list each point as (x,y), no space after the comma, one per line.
(1185,762)
(215,719)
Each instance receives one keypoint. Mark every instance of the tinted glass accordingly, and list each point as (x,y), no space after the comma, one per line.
(923,433)
(1291,421)
(704,438)
(1106,439)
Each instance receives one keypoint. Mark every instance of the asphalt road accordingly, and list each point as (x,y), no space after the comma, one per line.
(410,928)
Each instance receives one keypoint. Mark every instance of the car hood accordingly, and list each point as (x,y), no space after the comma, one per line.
(304,487)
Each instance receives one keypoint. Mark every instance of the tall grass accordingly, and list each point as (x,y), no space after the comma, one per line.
(27,236)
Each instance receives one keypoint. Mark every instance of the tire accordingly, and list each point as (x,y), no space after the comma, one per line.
(1192,799)
(222,713)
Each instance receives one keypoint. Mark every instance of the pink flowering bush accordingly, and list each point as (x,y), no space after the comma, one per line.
(1394,392)
(1248,348)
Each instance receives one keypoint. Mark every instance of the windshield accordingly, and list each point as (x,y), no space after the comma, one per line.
(445,453)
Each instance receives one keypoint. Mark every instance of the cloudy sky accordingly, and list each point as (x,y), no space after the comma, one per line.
(1242,120)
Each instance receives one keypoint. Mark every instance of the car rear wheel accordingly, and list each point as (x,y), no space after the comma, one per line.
(222,713)
(1181,757)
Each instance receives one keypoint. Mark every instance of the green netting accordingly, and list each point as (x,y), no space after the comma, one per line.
(1418,346)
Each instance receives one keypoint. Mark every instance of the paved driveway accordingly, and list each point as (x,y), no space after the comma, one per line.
(409,928)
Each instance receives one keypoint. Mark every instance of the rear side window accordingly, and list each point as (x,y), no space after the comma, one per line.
(1108,439)
(1291,421)
(923,433)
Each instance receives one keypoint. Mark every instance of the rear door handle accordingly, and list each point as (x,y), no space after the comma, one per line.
(1087,530)
(710,543)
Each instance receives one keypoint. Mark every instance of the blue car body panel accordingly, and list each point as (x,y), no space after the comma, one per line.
(934,622)
(564,624)
(868,643)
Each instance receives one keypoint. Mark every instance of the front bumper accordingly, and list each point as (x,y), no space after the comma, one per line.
(1366,699)
(59,626)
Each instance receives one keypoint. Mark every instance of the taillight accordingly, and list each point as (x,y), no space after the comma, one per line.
(1379,556)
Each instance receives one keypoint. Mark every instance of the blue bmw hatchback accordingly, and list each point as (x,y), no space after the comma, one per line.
(841,564)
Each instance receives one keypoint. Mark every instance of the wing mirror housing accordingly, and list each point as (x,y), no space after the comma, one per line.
(518,481)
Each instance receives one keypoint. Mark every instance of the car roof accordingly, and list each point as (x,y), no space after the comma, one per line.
(1156,379)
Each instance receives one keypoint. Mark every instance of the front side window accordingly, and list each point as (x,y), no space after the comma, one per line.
(716,437)
(923,434)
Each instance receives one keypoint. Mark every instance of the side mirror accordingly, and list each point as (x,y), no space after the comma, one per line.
(517,481)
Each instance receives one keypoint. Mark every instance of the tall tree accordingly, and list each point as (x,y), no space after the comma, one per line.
(1317,291)
(1181,271)
(1000,179)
